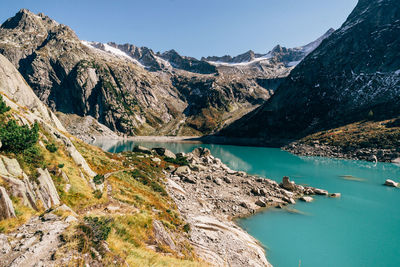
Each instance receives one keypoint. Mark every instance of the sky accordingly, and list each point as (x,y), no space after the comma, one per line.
(194,27)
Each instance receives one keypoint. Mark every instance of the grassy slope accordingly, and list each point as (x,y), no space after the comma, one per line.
(364,134)
(137,191)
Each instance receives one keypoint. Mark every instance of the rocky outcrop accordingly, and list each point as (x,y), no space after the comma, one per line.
(128,89)
(352,76)
(209,194)
(6,207)
(29,190)
(33,244)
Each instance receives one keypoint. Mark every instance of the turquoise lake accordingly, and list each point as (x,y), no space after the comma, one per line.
(362,228)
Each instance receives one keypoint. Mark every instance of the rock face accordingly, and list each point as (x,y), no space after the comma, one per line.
(353,75)
(209,195)
(133,90)
(6,207)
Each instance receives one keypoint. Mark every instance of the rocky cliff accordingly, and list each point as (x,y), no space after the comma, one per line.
(133,90)
(353,75)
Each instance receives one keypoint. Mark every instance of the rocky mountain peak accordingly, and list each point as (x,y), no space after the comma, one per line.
(26,20)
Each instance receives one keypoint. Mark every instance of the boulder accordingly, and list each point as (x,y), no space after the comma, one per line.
(320,192)
(218,181)
(306,199)
(142,149)
(47,189)
(392,183)
(5,247)
(201,152)
(6,207)
(12,166)
(227,180)
(335,195)
(182,170)
(170,168)
(261,202)
(287,184)
(189,179)
(156,160)
(162,236)
(169,154)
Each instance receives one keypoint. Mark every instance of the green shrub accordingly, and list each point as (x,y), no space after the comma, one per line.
(51,147)
(98,179)
(17,138)
(33,156)
(3,107)
(61,165)
(186,228)
(97,193)
(181,161)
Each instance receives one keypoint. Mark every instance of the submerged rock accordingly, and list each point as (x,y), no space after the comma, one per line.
(306,199)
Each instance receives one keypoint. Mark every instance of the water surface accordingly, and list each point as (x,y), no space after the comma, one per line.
(362,228)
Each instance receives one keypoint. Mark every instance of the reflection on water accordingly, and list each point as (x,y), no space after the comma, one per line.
(359,229)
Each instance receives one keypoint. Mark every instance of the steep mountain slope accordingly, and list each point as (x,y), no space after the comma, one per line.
(116,89)
(133,90)
(353,75)
(59,188)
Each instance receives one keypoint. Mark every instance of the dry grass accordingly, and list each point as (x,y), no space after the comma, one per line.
(364,134)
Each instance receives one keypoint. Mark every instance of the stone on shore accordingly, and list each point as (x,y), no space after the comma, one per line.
(287,184)
(182,170)
(142,149)
(306,199)
(161,151)
(392,183)
(320,192)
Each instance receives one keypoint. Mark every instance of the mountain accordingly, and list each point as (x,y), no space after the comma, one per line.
(353,75)
(133,90)
(288,56)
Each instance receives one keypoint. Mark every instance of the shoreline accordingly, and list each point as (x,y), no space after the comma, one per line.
(296,148)
(212,213)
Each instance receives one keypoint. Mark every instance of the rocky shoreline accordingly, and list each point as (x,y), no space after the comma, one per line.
(321,150)
(210,196)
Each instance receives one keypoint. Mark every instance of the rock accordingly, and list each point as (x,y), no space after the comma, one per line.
(256,191)
(142,149)
(161,151)
(189,179)
(306,199)
(64,176)
(392,183)
(201,152)
(218,181)
(180,155)
(261,202)
(47,190)
(287,184)
(289,200)
(156,160)
(335,195)
(182,170)
(373,158)
(12,166)
(70,219)
(320,192)
(227,179)
(49,217)
(5,247)
(6,207)
(170,168)
(198,167)
(65,208)
(244,205)
(162,236)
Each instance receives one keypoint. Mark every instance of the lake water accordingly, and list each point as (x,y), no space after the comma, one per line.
(362,228)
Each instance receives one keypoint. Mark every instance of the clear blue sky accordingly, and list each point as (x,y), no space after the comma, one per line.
(194,27)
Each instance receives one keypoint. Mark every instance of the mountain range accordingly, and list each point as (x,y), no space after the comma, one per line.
(135,91)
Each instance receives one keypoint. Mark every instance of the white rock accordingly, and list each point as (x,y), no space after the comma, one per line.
(6,206)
